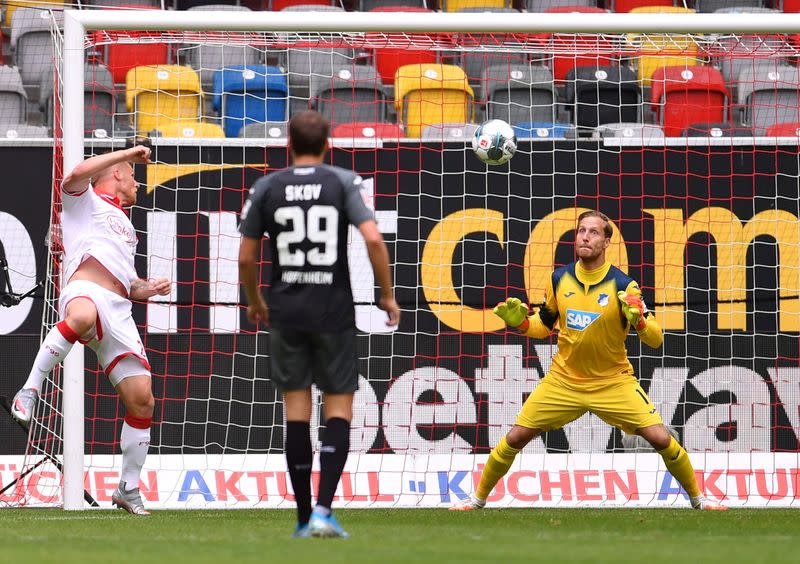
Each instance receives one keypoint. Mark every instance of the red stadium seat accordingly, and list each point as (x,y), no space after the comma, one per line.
(389,59)
(366,130)
(784,130)
(790,6)
(121,57)
(278,5)
(624,6)
(597,49)
(682,95)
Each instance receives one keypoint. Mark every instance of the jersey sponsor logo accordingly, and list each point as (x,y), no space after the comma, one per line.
(119,227)
(603,300)
(298,192)
(580,320)
(305,171)
(568,294)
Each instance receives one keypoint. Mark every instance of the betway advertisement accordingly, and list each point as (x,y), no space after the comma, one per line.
(710,232)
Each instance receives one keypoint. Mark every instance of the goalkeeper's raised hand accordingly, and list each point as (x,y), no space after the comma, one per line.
(633,308)
(513,312)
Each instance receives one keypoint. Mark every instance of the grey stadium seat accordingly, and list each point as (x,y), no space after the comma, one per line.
(519,93)
(367,5)
(450,131)
(268,130)
(768,94)
(707,6)
(13,99)
(22,130)
(352,94)
(628,131)
(98,95)
(540,6)
(302,63)
(32,42)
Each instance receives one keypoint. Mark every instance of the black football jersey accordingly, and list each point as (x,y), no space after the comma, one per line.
(306,211)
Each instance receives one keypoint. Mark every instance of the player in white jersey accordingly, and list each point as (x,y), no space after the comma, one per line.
(95,305)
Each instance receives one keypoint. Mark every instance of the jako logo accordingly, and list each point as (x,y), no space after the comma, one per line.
(580,320)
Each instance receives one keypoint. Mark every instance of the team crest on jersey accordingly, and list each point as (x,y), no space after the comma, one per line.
(603,300)
(580,320)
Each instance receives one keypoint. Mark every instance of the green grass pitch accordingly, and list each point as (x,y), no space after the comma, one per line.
(492,536)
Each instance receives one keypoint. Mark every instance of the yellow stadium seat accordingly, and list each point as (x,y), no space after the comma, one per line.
(427,94)
(11,7)
(161,95)
(191,130)
(658,50)
(456,5)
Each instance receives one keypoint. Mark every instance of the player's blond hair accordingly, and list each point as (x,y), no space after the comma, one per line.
(607,231)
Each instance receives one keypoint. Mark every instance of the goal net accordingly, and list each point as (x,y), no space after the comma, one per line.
(686,136)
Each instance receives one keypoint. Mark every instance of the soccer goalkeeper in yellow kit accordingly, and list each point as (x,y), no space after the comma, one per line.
(594,305)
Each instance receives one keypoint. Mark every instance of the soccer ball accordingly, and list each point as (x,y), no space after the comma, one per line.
(494,142)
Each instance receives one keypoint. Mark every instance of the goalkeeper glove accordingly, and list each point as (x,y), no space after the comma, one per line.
(514,313)
(633,309)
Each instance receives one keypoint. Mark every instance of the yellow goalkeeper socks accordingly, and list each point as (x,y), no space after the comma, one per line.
(497,465)
(680,467)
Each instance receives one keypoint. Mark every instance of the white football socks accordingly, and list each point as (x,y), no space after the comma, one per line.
(53,350)
(134,444)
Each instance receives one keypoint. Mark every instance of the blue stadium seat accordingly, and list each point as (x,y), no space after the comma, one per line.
(247,94)
(543,130)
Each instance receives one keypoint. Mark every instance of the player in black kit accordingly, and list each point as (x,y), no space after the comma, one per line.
(306,210)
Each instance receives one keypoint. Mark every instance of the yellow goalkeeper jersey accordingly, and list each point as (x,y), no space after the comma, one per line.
(591,326)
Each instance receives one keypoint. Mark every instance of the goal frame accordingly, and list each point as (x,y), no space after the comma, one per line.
(78,22)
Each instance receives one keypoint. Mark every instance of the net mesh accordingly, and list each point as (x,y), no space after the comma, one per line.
(695,163)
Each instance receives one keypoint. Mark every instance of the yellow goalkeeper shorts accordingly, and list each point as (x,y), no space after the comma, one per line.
(554,403)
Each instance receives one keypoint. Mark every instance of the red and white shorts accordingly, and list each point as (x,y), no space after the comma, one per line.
(115,339)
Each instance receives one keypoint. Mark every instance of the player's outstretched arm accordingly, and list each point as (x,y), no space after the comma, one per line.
(81,175)
(379,257)
(646,326)
(515,314)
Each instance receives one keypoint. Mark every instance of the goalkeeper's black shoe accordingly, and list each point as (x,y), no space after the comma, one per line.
(129,500)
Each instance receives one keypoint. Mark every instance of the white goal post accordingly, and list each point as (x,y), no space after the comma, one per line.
(77,23)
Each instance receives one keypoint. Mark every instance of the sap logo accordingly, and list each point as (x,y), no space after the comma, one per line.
(297,192)
(580,320)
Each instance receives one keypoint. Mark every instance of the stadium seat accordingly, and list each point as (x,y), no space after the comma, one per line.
(389,58)
(789,6)
(13,99)
(543,130)
(188,130)
(601,95)
(369,130)
(450,131)
(125,3)
(265,130)
(721,129)
(708,6)
(684,95)
(430,94)
(352,94)
(208,57)
(639,131)
(784,130)
(248,94)
(122,57)
(11,6)
(22,130)
(662,50)
(456,5)
(33,43)
(519,93)
(278,5)
(542,6)
(161,95)
(312,7)
(768,94)
(578,50)
(304,62)
(744,51)
(99,102)
(624,6)
(371,5)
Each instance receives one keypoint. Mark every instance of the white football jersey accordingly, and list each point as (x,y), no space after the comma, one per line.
(95,225)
